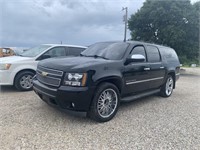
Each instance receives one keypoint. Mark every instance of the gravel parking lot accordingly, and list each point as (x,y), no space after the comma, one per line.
(154,122)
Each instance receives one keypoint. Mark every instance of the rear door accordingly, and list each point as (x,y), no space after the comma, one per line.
(157,69)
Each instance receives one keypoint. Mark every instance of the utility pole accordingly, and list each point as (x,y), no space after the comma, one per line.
(125,19)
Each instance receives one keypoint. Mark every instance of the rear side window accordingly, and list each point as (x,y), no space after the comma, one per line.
(169,54)
(153,54)
(75,51)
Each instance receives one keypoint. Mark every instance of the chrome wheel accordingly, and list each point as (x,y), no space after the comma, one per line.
(107,103)
(26,81)
(169,86)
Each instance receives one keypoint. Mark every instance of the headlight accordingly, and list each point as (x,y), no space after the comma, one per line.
(75,79)
(4,66)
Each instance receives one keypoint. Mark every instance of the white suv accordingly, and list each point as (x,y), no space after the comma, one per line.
(19,70)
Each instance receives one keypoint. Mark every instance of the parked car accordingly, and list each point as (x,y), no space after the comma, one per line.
(18,52)
(106,74)
(19,70)
(6,52)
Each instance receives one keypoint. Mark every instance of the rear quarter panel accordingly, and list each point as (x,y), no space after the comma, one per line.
(170,60)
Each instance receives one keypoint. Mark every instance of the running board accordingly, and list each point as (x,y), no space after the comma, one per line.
(134,97)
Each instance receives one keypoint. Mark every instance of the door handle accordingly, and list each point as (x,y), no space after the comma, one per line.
(162,67)
(146,69)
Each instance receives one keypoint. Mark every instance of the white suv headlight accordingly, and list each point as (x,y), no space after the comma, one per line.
(4,66)
(75,79)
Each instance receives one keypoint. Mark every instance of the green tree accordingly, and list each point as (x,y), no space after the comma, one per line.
(173,23)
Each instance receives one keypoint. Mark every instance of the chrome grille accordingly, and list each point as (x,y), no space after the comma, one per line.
(49,76)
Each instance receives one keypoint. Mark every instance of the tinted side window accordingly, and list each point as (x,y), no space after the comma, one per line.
(56,52)
(138,50)
(170,54)
(153,54)
(75,51)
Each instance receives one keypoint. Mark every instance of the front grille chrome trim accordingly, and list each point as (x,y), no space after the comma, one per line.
(60,72)
(38,70)
(56,85)
(51,79)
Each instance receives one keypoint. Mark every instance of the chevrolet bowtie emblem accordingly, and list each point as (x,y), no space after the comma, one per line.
(44,74)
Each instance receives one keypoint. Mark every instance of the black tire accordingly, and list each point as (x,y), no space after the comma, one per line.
(111,102)
(20,77)
(164,92)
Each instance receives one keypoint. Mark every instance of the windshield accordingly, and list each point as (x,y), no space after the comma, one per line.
(35,51)
(112,51)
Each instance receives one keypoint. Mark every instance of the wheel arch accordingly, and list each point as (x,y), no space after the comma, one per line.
(172,73)
(117,81)
(31,70)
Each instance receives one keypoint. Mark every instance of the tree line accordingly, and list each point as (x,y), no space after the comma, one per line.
(174,23)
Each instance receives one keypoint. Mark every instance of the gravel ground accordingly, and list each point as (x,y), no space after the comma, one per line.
(26,122)
(190,71)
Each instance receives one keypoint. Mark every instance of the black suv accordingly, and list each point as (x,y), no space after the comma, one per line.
(106,74)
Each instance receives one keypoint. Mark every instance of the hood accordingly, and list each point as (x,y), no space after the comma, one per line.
(73,63)
(13,59)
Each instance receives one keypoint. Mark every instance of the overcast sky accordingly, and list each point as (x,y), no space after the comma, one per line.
(26,23)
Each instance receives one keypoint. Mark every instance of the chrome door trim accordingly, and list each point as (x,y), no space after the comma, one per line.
(147,80)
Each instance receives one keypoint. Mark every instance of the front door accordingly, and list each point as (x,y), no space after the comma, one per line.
(136,73)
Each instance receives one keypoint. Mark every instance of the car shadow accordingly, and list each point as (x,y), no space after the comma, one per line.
(71,116)
(82,119)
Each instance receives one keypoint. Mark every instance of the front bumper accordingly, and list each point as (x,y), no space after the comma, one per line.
(65,97)
(5,77)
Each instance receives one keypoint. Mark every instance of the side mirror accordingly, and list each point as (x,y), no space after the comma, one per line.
(135,58)
(45,56)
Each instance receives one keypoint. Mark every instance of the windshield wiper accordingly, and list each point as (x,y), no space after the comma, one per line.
(95,56)
(82,55)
